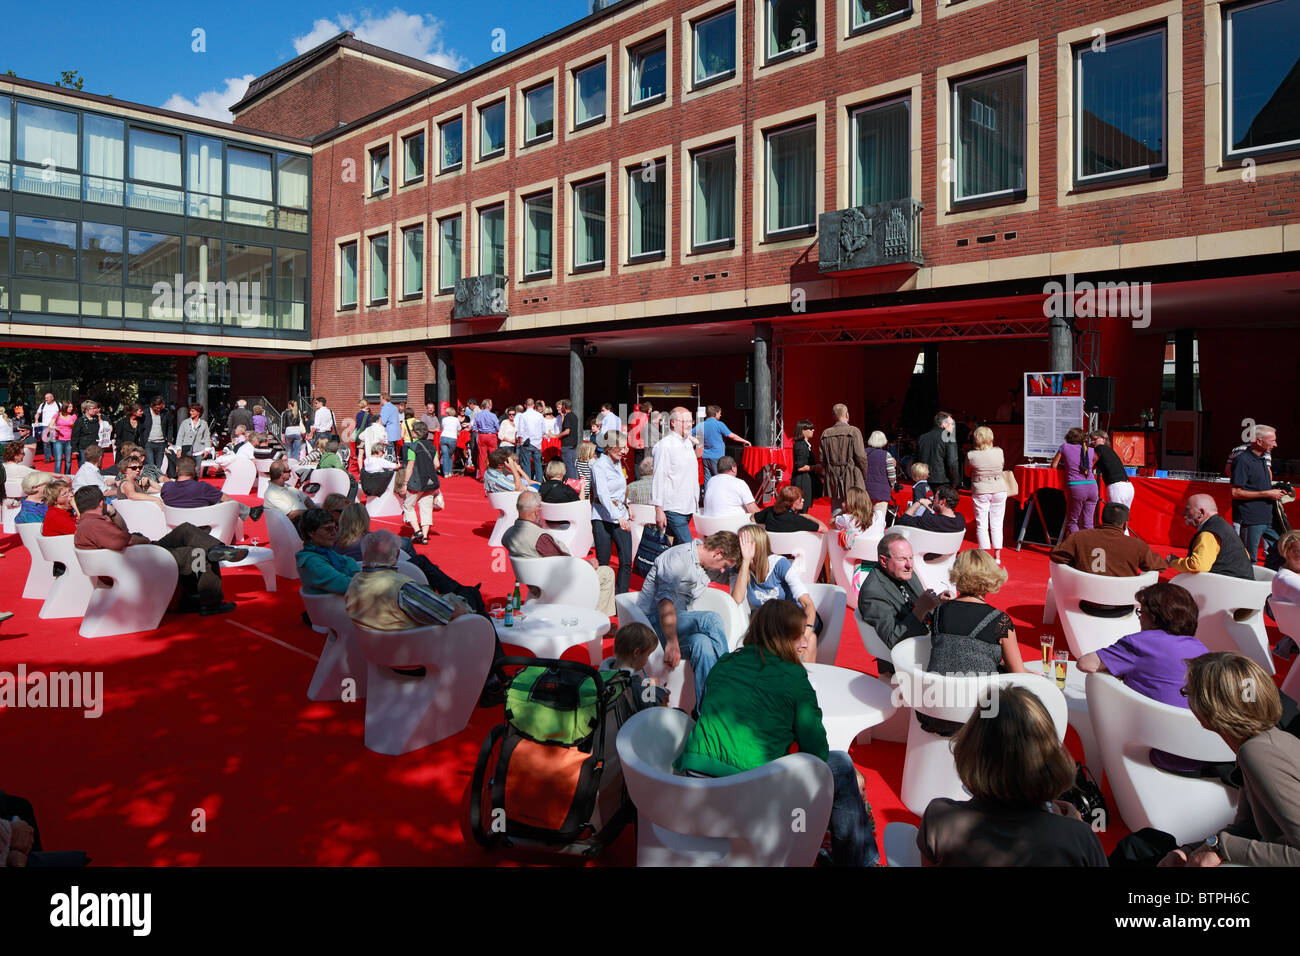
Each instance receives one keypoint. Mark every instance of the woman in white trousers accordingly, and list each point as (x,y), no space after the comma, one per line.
(988,490)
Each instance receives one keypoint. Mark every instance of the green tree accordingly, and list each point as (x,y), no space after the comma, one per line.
(72,79)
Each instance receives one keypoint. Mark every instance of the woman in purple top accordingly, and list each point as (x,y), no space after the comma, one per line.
(1080,483)
(1153,661)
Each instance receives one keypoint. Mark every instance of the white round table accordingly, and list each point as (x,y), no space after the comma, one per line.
(851,702)
(548,630)
(1076,703)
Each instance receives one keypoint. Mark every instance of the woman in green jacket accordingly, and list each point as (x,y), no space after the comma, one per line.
(759,703)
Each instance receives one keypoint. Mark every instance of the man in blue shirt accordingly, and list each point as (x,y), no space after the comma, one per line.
(1253,493)
(713,435)
(486,425)
(391,419)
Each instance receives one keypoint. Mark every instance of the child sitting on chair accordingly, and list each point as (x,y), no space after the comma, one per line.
(633,645)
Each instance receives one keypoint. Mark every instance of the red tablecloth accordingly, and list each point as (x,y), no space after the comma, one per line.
(462,438)
(550,447)
(756,457)
(1157,512)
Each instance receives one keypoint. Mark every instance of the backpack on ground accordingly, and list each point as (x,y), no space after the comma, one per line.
(549,777)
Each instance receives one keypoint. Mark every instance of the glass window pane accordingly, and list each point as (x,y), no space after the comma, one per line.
(589,94)
(4,243)
(101,253)
(413,260)
(155,157)
(492,241)
(413,158)
(449,264)
(291,275)
(791,26)
(45,296)
(1121,119)
(203,265)
(47,134)
(1263,65)
(715,46)
(152,257)
(492,129)
(379,176)
(6,110)
(882,154)
(248,285)
(102,301)
(397,378)
(45,247)
(378,268)
(248,174)
(103,143)
(451,135)
(348,274)
(589,223)
(872,11)
(293,173)
(537,234)
(649,74)
(370,373)
(715,197)
(791,179)
(539,112)
(203,158)
(990,140)
(647,209)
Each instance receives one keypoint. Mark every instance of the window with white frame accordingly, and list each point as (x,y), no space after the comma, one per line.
(370,385)
(647,210)
(379,269)
(989,136)
(714,47)
(1119,125)
(379,170)
(649,69)
(713,173)
(1261,97)
(347,275)
(397,378)
(449,256)
(538,231)
(492,240)
(492,130)
(451,145)
(589,224)
(791,179)
(881,153)
(791,27)
(412,158)
(412,261)
(869,14)
(589,95)
(539,113)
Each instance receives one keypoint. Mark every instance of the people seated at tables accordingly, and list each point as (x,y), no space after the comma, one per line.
(14,468)
(641,491)
(320,567)
(1153,661)
(32,508)
(154,475)
(1108,550)
(131,483)
(760,702)
(763,577)
(280,497)
(1215,547)
(88,474)
(60,514)
(891,599)
(555,490)
(188,492)
(1015,769)
(725,493)
(677,579)
(943,519)
(264,449)
(783,516)
(526,538)
(503,473)
(101,527)
(1266,830)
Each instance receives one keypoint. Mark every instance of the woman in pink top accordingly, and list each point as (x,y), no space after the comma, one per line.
(63,439)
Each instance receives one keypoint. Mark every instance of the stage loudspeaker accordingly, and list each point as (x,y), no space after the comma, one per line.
(1099,395)
(744,396)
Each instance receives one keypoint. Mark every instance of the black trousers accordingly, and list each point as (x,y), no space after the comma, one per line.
(189,547)
(606,533)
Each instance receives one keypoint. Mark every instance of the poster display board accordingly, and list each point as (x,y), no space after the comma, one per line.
(1053,405)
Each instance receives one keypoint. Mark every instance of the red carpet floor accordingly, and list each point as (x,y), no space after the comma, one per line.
(208,752)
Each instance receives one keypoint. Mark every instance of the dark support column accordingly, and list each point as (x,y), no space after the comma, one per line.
(201,381)
(440,372)
(1184,383)
(762,382)
(1060,345)
(577,379)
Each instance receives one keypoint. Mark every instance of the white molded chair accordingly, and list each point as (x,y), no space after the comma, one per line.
(900,844)
(1128,726)
(332,481)
(706,525)
(1086,632)
(735,619)
(740,820)
(241,475)
(504,502)
(285,543)
(896,728)
(570,524)
(143,517)
(40,575)
(1232,612)
(807,549)
(640,516)
(928,768)
(678,681)
(406,566)
(843,563)
(258,557)
(29,455)
(876,647)
(263,466)
(830,601)
(70,592)
(404,712)
(562,580)
(1288,622)
(11,505)
(341,658)
(935,553)
(222,518)
(387,505)
(144,580)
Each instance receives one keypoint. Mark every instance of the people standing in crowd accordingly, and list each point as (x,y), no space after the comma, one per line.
(610,522)
(157,425)
(421,482)
(46,417)
(586,453)
(323,424)
(728,494)
(880,476)
(1215,547)
(485,425)
(675,490)
(85,431)
(193,437)
(240,415)
(762,577)
(1079,462)
(129,429)
(713,436)
(392,421)
(938,449)
(638,432)
(62,428)
(804,462)
(529,427)
(609,420)
(844,457)
(6,427)
(259,420)
(1111,470)
(506,433)
(291,429)
(985,463)
(569,433)
(447,441)
(1253,493)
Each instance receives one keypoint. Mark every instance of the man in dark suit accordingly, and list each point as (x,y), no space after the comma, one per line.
(938,449)
(157,428)
(891,600)
(240,415)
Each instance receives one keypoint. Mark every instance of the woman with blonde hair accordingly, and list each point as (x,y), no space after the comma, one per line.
(354,524)
(763,689)
(970,636)
(985,464)
(1232,696)
(760,579)
(882,472)
(1011,761)
(586,451)
(856,516)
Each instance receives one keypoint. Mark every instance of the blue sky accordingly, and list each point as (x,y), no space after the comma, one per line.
(143,51)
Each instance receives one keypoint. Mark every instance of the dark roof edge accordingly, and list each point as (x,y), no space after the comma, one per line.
(155,110)
(475,72)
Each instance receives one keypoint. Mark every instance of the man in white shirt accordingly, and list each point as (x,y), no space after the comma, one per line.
(279,497)
(448,439)
(676,489)
(45,416)
(609,422)
(88,473)
(528,439)
(726,494)
(322,422)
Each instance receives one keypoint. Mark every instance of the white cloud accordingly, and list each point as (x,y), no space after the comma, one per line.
(414,34)
(212,104)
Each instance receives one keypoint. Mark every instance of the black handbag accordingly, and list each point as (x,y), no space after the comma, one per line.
(653,543)
(1085,796)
